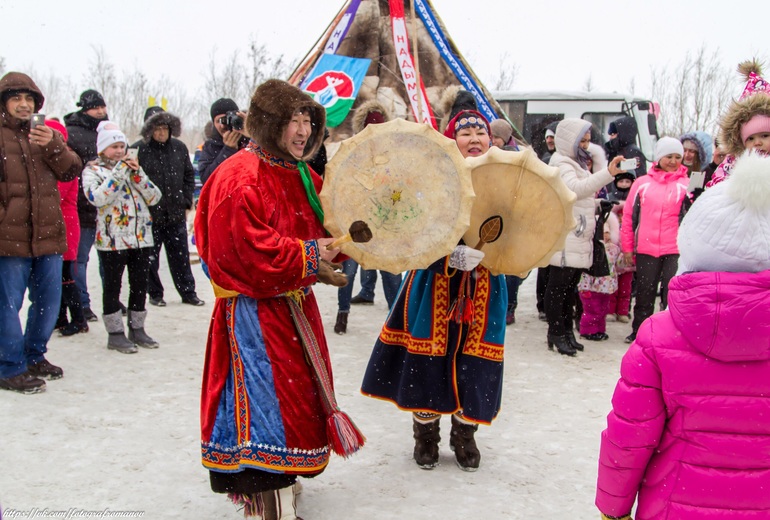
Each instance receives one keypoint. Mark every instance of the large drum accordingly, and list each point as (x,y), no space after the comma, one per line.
(410,184)
(529,203)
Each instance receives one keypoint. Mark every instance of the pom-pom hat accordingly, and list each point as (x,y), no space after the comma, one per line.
(728,227)
(107,134)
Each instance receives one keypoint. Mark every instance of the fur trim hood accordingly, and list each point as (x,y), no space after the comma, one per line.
(739,113)
(161,118)
(359,117)
(270,110)
(704,144)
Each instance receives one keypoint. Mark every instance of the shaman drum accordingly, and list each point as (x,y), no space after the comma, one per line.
(533,202)
(410,184)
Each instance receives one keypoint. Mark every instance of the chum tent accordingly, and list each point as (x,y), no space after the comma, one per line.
(368,53)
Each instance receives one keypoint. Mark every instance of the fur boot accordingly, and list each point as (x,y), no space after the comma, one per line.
(426,439)
(117,338)
(461,441)
(136,331)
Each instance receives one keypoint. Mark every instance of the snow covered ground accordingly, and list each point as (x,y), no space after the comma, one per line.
(121,432)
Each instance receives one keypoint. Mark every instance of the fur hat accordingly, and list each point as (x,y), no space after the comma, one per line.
(222,106)
(168,119)
(667,146)
(90,99)
(270,110)
(728,227)
(502,129)
(107,134)
(755,100)
(368,113)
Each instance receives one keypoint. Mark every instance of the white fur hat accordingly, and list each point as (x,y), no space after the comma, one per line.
(108,133)
(666,146)
(728,227)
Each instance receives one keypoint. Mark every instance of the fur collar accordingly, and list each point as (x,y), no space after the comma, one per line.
(161,118)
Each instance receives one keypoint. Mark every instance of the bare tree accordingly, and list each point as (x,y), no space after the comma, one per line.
(101,75)
(632,85)
(588,86)
(692,94)
(506,75)
(2,65)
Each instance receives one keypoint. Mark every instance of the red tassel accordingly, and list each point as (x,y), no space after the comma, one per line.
(462,310)
(345,437)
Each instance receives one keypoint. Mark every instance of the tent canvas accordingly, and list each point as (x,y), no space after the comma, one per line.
(383,31)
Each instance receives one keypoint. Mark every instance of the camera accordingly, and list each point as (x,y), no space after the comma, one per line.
(628,165)
(232,120)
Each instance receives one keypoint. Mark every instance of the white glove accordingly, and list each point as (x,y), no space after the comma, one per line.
(465,258)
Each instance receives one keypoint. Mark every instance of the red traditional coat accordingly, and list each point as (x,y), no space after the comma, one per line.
(256,231)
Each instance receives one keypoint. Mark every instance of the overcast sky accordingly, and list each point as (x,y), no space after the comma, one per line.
(555,44)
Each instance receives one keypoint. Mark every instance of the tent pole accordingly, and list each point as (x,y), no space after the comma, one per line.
(416,62)
(317,48)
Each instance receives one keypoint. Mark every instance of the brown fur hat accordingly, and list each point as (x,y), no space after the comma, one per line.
(271,108)
(173,123)
(362,112)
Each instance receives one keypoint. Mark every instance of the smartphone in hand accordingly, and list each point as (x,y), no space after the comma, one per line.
(132,154)
(627,165)
(37,120)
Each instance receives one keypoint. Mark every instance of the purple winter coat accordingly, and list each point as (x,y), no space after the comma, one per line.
(689,429)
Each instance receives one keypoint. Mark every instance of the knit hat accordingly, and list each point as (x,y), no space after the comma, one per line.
(613,128)
(728,227)
(222,106)
(108,133)
(758,123)
(502,129)
(151,112)
(549,132)
(667,146)
(91,99)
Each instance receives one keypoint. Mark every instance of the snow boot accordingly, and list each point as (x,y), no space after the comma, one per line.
(136,331)
(461,441)
(341,326)
(117,338)
(277,504)
(426,439)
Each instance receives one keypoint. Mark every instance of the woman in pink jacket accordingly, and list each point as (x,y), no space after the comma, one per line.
(689,432)
(655,206)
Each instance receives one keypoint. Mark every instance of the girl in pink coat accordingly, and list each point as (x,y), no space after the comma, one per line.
(688,436)
(655,206)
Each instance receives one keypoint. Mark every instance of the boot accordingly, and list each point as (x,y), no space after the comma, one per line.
(426,439)
(136,330)
(117,338)
(461,441)
(573,341)
(562,345)
(277,504)
(341,327)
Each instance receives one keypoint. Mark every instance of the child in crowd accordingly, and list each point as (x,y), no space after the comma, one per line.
(70,295)
(655,206)
(595,292)
(121,190)
(688,436)
(746,124)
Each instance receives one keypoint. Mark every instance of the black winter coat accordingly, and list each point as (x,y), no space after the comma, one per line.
(168,166)
(214,153)
(81,130)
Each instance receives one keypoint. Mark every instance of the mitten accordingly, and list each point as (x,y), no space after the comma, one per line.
(329,274)
(465,258)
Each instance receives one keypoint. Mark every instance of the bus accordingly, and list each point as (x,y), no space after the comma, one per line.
(531,112)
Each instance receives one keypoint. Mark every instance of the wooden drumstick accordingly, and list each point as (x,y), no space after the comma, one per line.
(359,232)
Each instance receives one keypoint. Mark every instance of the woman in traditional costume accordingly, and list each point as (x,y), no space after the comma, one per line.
(441,348)
(267,406)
